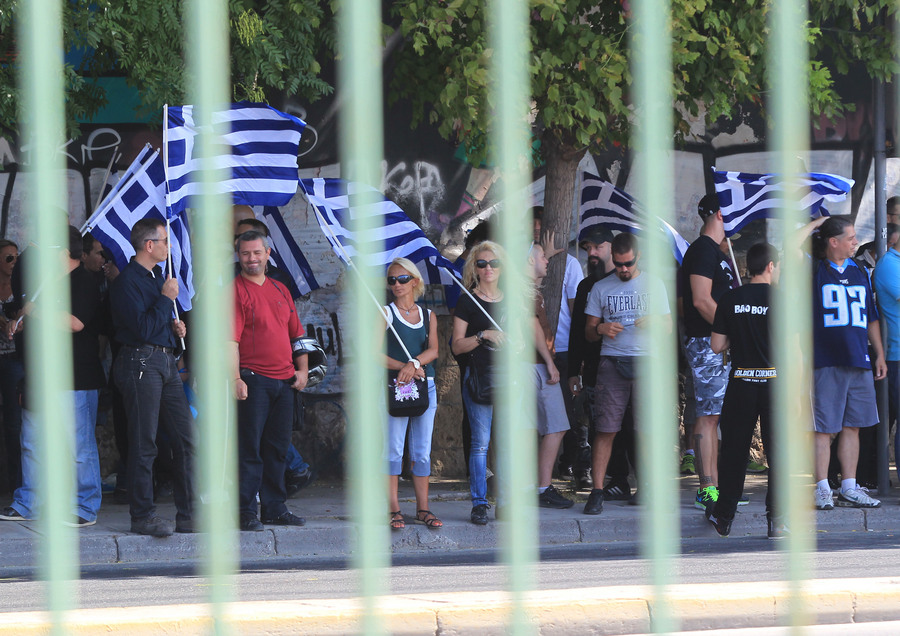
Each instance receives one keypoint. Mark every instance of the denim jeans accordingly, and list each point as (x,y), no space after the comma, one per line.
(265,420)
(11,372)
(420,429)
(894,406)
(150,385)
(480,419)
(82,446)
(294,462)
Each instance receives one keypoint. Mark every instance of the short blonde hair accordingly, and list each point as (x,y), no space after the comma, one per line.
(409,266)
(470,276)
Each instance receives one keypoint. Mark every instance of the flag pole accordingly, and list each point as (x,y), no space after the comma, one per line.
(737,273)
(346,257)
(106,177)
(165,150)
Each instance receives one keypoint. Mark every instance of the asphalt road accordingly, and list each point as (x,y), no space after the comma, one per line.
(858,555)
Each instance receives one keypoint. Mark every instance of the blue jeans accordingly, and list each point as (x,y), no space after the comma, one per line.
(265,420)
(82,445)
(11,373)
(420,429)
(480,419)
(294,462)
(150,385)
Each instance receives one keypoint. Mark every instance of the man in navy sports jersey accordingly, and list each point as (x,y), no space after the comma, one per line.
(845,321)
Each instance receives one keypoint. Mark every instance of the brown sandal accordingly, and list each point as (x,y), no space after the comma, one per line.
(429,519)
(397,522)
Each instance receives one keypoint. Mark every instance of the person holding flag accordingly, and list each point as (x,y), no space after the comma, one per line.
(146,372)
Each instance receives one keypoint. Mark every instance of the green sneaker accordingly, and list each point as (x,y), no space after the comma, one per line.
(706,497)
(756,467)
(687,465)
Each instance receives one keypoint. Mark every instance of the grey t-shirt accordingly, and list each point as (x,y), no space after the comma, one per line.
(613,300)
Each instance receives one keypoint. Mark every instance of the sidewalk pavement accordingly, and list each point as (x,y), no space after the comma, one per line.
(330,532)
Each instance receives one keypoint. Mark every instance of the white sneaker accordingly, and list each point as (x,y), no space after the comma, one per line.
(824,500)
(857,498)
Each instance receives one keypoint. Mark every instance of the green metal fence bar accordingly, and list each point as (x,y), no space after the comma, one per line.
(361,150)
(215,438)
(515,410)
(49,348)
(657,397)
(792,299)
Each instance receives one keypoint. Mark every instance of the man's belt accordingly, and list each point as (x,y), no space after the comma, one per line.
(154,347)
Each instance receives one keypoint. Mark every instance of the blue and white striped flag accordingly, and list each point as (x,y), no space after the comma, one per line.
(286,254)
(604,204)
(259,149)
(115,181)
(745,197)
(142,196)
(338,203)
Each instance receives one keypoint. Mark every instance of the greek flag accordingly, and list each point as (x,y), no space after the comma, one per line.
(143,195)
(744,197)
(286,254)
(338,203)
(602,203)
(259,150)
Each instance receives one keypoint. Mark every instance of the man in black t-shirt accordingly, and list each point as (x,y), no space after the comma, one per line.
(742,324)
(706,276)
(84,323)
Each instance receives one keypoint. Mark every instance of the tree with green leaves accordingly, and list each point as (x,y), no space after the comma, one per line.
(580,73)
(276,46)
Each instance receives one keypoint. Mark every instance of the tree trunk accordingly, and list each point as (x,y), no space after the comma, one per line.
(559,193)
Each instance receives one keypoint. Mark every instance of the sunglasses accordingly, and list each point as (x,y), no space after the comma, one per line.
(625,263)
(494,263)
(402,279)
(10,258)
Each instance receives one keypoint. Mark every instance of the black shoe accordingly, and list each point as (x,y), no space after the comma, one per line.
(479,514)
(566,471)
(11,514)
(594,505)
(722,526)
(185,527)
(777,529)
(154,526)
(583,480)
(286,518)
(79,522)
(295,482)
(633,499)
(249,523)
(617,491)
(552,498)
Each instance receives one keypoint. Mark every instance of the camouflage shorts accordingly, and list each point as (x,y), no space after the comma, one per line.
(710,373)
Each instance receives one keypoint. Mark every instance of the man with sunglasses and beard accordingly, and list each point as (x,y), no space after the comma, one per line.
(618,309)
(265,373)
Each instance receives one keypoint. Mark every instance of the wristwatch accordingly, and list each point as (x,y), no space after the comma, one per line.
(416,363)
(479,337)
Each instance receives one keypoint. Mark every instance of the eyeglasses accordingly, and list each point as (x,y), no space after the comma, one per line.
(625,263)
(494,263)
(11,257)
(402,279)
(164,240)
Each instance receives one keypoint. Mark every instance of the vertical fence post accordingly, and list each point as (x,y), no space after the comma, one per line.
(517,451)
(656,404)
(208,70)
(792,299)
(49,348)
(361,149)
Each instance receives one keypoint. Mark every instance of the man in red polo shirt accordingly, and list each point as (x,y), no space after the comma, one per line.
(266,373)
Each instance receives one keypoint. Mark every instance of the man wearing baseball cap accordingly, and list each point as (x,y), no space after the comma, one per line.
(706,276)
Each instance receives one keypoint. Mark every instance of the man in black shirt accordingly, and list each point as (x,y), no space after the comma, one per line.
(706,276)
(147,374)
(742,324)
